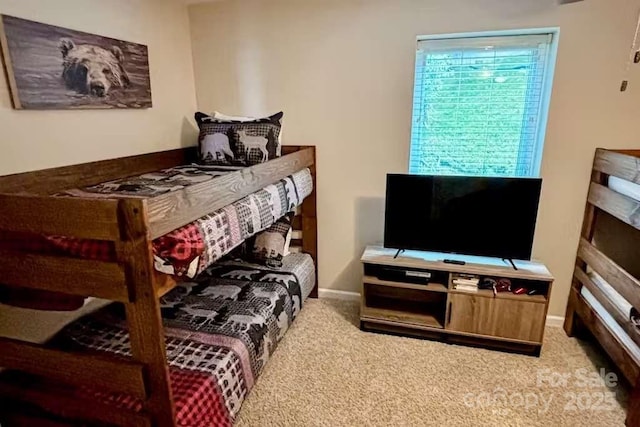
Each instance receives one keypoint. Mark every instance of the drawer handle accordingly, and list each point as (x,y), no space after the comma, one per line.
(449,317)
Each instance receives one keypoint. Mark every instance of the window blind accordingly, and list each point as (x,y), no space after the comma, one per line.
(478,105)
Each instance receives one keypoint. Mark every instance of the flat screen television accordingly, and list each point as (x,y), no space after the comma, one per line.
(493,217)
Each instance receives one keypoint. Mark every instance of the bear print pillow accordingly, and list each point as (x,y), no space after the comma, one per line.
(269,247)
(240,143)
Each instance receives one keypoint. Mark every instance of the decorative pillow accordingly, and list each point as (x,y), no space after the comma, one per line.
(269,245)
(221,116)
(287,242)
(231,142)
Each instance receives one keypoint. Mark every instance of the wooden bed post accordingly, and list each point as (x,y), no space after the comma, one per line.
(633,411)
(571,321)
(143,314)
(310,223)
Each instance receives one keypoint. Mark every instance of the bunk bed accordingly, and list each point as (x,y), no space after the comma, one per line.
(605,294)
(40,203)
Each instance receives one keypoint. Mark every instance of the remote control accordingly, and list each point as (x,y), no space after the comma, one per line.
(454,261)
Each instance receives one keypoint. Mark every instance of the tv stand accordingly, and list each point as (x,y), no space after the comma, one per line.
(398,253)
(513,264)
(434,309)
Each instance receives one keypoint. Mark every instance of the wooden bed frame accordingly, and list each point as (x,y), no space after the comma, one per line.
(132,224)
(624,164)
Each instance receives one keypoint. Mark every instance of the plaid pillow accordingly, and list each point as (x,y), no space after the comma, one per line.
(269,245)
(243,143)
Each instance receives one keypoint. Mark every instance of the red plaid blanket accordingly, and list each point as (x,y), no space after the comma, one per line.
(196,396)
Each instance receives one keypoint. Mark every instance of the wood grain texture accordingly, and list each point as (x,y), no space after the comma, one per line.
(401,317)
(498,318)
(622,164)
(73,368)
(146,331)
(601,295)
(590,212)
(431,287)
(571,320)
(633,411)
(488,293)
(49,181)
(483,266)
(8,67)
(634,153)
(164,283)
(72,407)
(380,325)
(478,318)
(620,206)
(611,343)
(310,223)
(63,216)
(178,208)
(623,282)
(494,317)
(62,274)
(399,328)
(405,305)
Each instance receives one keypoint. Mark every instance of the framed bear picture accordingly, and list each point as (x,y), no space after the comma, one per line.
(50,67)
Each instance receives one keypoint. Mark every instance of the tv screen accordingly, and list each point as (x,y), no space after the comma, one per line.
(493,217)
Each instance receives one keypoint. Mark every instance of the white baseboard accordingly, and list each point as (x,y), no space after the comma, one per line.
(553,321)
(335,294)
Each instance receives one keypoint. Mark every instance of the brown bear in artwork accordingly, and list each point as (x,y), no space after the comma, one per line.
(92,70)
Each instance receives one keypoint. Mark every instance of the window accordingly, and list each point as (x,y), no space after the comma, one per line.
(480,104)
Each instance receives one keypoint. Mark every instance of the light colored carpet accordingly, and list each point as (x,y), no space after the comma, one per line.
(326,372)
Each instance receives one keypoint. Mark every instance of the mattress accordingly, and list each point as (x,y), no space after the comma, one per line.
(298,264)
(625,187)
(220,331)
(618,300)
(621,303)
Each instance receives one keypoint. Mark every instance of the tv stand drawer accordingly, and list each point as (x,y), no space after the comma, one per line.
(522,320)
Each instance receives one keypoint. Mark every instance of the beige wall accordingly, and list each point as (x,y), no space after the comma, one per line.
(40,139)
(342,70)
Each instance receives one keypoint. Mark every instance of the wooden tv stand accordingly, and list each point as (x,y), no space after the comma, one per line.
(436,310)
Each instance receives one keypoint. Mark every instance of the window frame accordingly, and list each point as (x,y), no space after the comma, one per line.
(547,89)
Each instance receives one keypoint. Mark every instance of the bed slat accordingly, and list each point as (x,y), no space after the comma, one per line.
(62,274)
(600,294)
(64,216)
(617,164)
(73,368)
(622,207)
(610,342)
(170,211)
(626,285)
(74,407)
(50,181)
